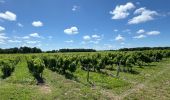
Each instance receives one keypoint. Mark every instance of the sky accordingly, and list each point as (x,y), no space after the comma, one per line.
(96,24)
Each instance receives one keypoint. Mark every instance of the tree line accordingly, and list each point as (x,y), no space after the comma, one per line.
(38,50)
(144,48)
(71,50)
(20,50)
(77,50)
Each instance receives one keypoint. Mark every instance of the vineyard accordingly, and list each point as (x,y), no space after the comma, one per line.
(96,75)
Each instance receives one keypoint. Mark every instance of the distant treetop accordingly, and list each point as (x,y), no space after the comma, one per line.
(20,50)
(144,48)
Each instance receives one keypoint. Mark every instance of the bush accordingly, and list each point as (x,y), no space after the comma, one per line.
(72,67)
(52,64)
(36,66)
(7,67)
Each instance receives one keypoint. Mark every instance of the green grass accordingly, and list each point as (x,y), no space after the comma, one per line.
(155,82)
(156,86)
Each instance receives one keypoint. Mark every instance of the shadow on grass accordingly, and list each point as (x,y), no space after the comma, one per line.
(5,76)
(71,77)
(130,71)
(39,79)
(134,72)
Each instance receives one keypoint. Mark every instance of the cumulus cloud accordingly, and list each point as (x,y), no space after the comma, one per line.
(95,36)
(75,8)
(8,16)
(37,23)
(119,38)
(146,33)
(140,31)
(2,28)
(153,33)
(35,35)
(144,15)
(86,37)
(95,39)
(139,36)
(71,31)
(121,11)
(69,41)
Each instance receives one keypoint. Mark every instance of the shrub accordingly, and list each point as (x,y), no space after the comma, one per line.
(7,67)
(52,63)
(36,66)
(72,67)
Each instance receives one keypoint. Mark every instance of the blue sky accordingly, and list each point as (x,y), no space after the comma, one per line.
(98,24)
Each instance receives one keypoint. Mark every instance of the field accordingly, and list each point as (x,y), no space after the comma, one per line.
(146,81)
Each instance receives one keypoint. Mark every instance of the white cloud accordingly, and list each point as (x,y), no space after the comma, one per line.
(86,37)
(140,31)
(69,41)
(71,31)
(153,33)
(139,36)
(115,30)
(95,36)
(14,41)
(2,34)
(2,28)
(95,39)
(144,16)
(75,8)
(20,25)
(3,38)
(8,16)
(37,23)
(35,35)
(121,12)
(26,37)
(95,42)
(119,38)
(32,42)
